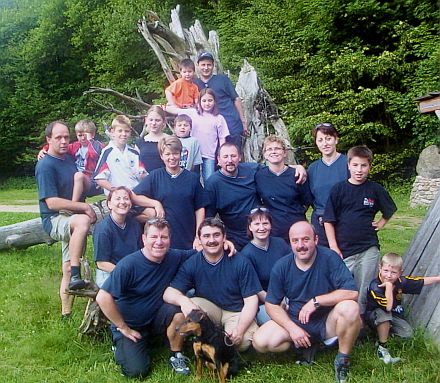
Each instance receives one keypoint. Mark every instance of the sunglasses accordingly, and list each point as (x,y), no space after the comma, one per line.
(259,210)
(155,221)
(323,125)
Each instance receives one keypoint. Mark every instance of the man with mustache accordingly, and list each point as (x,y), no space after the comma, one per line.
(231,192)
(225,287)
(322,298)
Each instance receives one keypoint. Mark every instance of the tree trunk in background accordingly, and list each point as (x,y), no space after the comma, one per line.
(171,45)
(174,43)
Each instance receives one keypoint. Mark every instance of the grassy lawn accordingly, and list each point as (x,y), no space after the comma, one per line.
(36,346)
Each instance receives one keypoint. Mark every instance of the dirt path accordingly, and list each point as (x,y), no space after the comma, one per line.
(19,208)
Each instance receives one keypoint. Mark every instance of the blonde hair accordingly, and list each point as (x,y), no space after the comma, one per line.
(85,126)
(170,142)
(272,138)
(392,259)
(121,121)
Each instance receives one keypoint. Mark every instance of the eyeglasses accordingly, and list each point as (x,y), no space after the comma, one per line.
(259,209)
(323,125)
(276,149)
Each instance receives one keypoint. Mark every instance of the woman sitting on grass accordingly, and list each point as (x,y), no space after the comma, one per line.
(117,235)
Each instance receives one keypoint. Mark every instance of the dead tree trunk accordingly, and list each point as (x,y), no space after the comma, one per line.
(171,44)
(29,233)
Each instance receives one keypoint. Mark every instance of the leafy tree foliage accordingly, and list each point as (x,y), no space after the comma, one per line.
(358,64)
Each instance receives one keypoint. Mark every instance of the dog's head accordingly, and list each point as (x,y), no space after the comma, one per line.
(191,325)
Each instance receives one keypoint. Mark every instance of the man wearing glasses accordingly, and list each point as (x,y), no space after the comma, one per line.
(231,192)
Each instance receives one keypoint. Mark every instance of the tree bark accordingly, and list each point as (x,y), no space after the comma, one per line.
(29,233)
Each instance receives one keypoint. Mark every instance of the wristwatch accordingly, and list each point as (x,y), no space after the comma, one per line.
(315,303)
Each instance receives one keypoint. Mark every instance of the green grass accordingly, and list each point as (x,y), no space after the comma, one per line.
(35,346)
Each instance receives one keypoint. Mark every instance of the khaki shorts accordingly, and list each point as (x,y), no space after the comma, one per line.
(228,319)
(61,232)
(399,326)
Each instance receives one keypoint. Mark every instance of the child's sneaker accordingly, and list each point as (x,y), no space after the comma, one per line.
(342,367)
(385,356)
(178,364)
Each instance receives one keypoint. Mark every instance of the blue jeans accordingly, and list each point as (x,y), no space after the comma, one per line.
(208,168)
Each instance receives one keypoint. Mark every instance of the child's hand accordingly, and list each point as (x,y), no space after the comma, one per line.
(378,225)
(337,250)
(387,286)
(41,154)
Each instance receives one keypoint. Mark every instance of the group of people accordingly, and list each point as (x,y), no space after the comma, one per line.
(239,247)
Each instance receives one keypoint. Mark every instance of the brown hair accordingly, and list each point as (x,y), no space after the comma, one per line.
(159,223)
(214,110)
(157,109)
(257,213)
(110,195)
(212,222)
(187,63)
(183,118)
(170,142)
(85,126)
(360,151)
(50,126)
(325,128)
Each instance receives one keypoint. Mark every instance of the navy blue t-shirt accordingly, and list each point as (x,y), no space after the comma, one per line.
(352,209)
(323,177)
(54,178)
(285,199)
(404,285)
(328,273)
(111,242)
(137,284)
(149,154)
(180,196)
(263,259)
(225,284)
(233,198)
(225,100)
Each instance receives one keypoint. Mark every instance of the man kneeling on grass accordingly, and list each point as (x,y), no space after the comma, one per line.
(132,299)
(322,301)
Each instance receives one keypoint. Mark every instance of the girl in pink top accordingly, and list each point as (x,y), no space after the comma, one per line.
(208,127)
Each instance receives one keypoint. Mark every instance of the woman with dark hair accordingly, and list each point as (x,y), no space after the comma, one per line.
(117,235)
(263,251)
(324,173)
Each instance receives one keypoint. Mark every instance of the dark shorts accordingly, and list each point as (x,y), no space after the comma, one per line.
(94,189)
(316,327)
(134,357)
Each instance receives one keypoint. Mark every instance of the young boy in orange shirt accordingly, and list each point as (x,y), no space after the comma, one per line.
(183,93)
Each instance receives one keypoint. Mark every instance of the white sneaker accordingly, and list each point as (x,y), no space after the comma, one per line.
(385,356)
(179,364)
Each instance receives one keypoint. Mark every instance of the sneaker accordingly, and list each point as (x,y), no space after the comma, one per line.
(385,356)
(76,283)
(178,364)
(342,367)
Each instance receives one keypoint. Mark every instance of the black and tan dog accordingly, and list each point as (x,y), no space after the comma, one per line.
(211,345)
